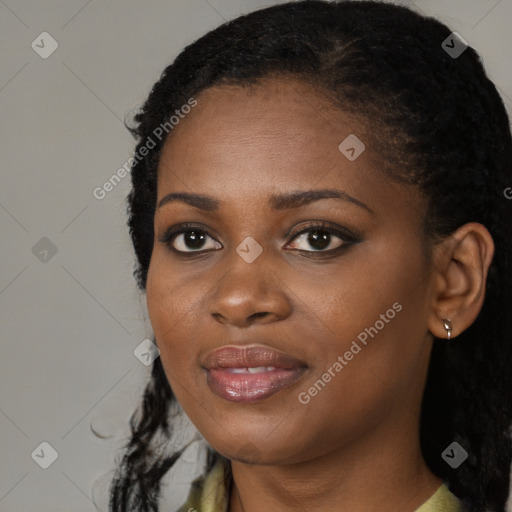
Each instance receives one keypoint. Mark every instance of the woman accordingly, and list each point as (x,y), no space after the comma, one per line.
(323,237)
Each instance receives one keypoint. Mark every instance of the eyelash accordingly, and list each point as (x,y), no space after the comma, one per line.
(347,238)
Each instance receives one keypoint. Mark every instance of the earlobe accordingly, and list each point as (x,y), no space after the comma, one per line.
(459,279)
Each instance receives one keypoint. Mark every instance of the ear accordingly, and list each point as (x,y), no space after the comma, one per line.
(461,264)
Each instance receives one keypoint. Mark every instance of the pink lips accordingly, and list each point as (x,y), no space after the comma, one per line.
(250,373)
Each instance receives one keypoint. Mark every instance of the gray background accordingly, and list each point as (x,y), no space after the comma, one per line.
(70,321)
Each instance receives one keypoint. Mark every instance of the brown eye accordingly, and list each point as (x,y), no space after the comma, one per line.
(322,238)
(188,239)
(319,239)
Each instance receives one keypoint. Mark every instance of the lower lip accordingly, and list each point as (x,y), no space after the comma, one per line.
(248,388)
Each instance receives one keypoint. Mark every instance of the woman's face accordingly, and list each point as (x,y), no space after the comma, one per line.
(349,306)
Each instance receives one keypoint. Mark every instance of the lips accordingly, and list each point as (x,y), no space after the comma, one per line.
(250,373)
(250,357)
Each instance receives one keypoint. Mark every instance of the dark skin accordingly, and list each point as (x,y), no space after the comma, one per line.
(355,445)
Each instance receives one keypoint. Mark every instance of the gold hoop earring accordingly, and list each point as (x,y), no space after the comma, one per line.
(448,326)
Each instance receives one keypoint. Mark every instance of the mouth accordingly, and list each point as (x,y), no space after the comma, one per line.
(249,374)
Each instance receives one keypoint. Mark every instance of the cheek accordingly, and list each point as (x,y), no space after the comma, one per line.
(174,312)
(375,321)
(356,297)
(374,380)
(169,297)
(160,298)
(168,304)
(176,306)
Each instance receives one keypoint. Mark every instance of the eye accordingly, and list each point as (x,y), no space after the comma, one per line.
(188,236)
(320,237)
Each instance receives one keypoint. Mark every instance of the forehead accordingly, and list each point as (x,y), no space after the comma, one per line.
(282,124)
(274,136)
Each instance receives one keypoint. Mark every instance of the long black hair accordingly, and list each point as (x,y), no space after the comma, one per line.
(440,125)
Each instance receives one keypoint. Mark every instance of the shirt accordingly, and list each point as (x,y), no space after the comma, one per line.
(210,493)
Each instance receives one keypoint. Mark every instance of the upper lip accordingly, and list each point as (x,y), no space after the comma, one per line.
(253,356)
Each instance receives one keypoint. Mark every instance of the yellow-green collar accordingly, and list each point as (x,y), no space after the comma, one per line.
(210,493)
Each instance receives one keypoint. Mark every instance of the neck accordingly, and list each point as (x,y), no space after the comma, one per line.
(376,473)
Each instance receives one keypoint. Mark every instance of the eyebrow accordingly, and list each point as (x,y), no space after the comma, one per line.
(277,202)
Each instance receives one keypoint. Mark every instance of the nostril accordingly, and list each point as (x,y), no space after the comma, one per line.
(257,315)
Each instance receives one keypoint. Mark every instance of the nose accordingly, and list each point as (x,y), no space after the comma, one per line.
(249,293)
